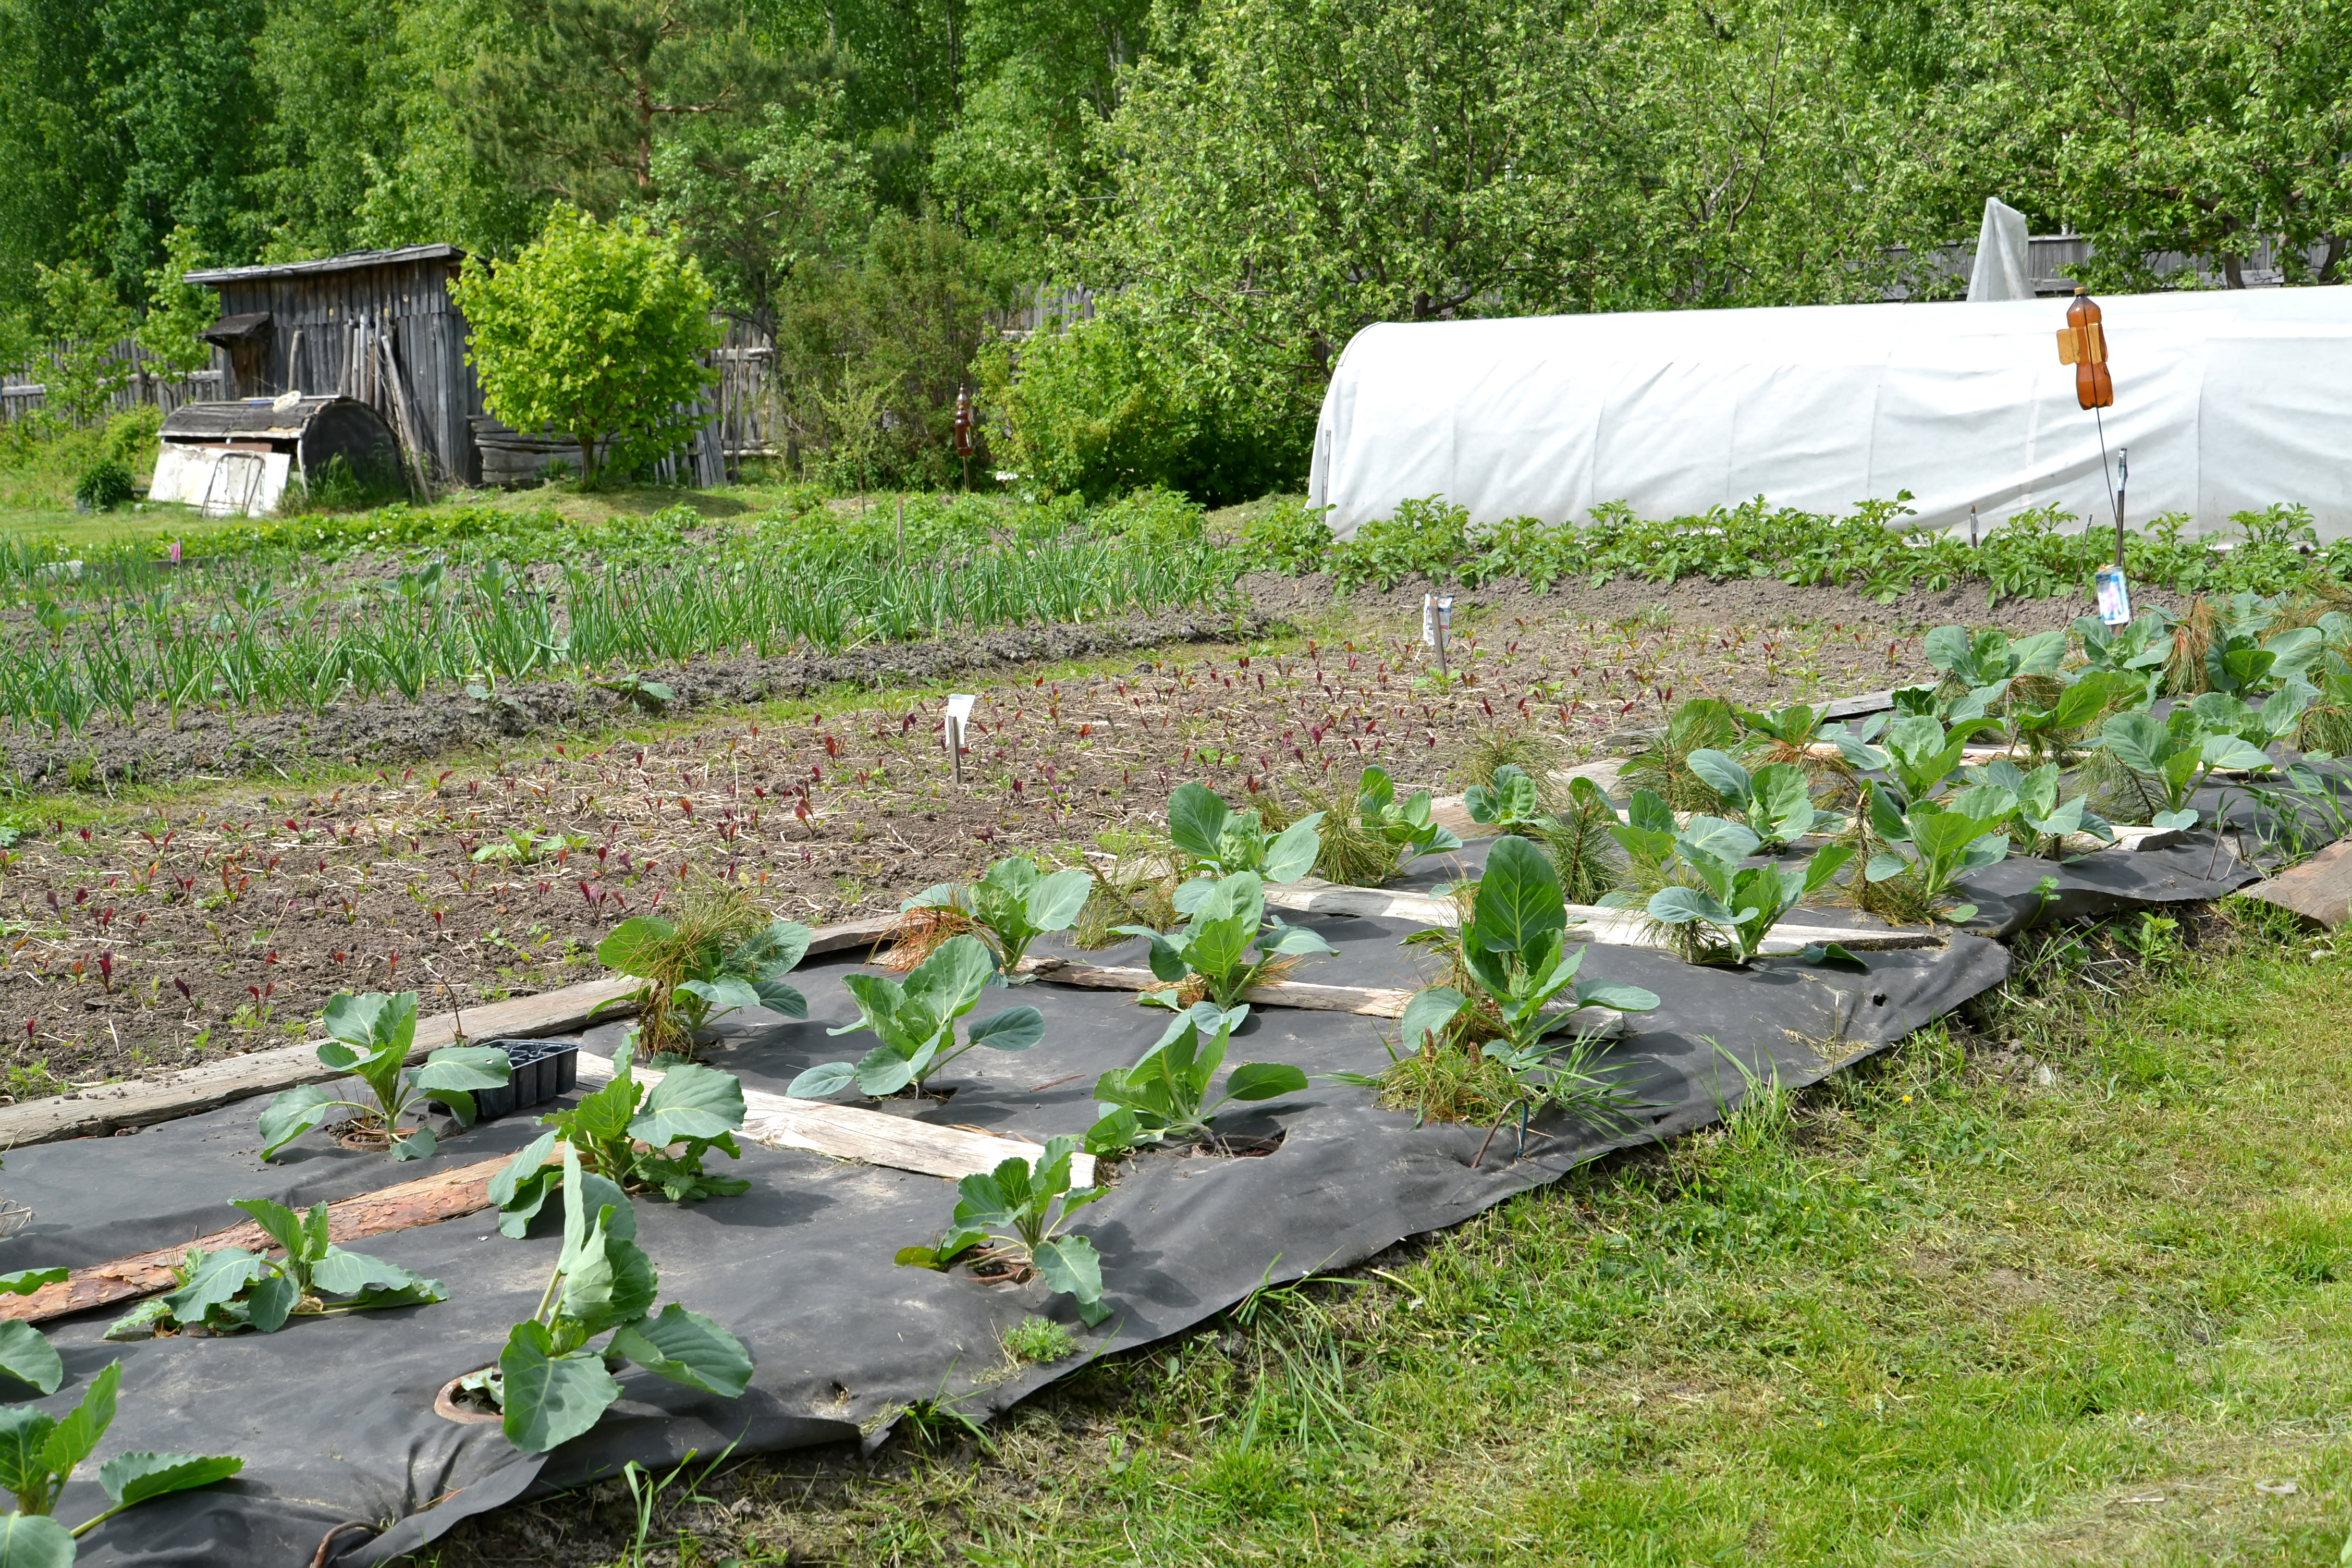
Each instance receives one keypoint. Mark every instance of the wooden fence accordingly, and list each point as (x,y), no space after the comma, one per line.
(25,387)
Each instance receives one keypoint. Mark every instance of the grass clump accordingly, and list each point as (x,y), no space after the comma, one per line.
(1039,1342)
(1663,766)
(709,920)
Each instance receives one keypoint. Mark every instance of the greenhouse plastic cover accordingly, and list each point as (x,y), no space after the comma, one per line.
(2227,401)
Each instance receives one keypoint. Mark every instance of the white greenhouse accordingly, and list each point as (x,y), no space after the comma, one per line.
(2226,400)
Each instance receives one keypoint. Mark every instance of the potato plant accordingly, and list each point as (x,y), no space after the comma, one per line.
(1013,1217)
(39,1453)
(551,1382)
(370,1037)
(634,1135)
(914,1020)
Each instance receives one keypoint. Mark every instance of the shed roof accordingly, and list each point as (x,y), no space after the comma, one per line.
(247,418)
(351,262)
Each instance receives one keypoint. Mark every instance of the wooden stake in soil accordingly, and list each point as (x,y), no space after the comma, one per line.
(958,711)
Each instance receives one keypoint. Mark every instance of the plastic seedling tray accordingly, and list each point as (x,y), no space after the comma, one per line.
(543,1069)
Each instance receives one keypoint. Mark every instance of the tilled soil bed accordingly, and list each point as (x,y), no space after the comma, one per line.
(164,935)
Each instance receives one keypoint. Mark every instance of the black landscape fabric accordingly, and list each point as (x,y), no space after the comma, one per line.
(334,1416)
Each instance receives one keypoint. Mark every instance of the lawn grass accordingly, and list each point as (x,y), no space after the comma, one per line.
(2061,1286)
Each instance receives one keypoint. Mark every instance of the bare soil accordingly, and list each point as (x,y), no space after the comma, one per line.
(163,934)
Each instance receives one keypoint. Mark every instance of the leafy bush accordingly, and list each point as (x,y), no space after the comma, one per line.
(1013,903)
(596,330)
(103,486)
(1099,408)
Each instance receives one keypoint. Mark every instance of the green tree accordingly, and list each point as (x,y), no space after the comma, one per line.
(177,310)
(581,102)
(903,322)
(1290,172)
(758,210)
(84,320)
(2207,128)
(594,329)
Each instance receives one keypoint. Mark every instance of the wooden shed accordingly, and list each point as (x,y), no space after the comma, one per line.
(375,326)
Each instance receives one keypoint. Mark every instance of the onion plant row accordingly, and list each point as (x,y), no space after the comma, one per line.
(133,640)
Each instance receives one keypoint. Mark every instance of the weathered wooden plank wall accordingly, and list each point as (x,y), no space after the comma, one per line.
(328,329)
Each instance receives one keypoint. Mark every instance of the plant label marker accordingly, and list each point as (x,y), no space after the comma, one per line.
(958,714)
(1436,622)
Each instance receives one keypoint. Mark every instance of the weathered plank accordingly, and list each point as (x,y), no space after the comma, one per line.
(1370,1001)
(874,1137)
(1615,928)
(2319,889)
(97,1112)
(445,1194)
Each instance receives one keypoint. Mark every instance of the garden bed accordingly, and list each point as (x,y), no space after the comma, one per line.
(801,1267)
(178,933)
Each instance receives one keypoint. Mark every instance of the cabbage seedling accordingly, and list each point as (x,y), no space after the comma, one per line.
(2031,800)
(551,1382)
(1775,801)
(1920,755)
(1405,824)
(229,1289)
(1165,1097)
(2177,756)
(1228,944)
(2141,650)
(1510,803)
(1015,904)
(1743,902)
(1222,841)
(915,1020)
(1985,662)
(1516,955)
(1945,843)
(633,1136)
(2047,732)
(370,1036)
(1021,1210)
(39,1453)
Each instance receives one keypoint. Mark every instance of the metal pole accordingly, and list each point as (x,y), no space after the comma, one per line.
(2123,482)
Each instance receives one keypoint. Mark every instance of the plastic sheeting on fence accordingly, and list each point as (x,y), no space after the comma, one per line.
(2229,400)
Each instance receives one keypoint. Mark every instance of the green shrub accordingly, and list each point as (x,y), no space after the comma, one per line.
(597,330)
(103,486)
(1097,408)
